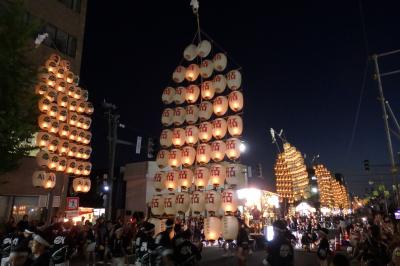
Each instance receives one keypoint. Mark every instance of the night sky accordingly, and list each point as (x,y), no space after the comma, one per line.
(303,66)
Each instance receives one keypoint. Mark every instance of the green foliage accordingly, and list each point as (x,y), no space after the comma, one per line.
(18,111)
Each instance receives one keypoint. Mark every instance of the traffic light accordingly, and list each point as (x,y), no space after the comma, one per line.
(366,165)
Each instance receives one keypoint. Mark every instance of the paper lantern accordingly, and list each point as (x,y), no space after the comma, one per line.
(159,180)
(62,164)
(205,131)
(86,185)
(234,174)
(38,178)
(63,131)
(73,133)
(60,85)
(89,108)
(44,122)
(191,135)
(229,201)
(70,90)
(81,121)
(178,137)
(182,202)
(41,88)
(79,168)
(56,58)
(230,228)
(192,93)
(63,147)
(73,150)
(207,90)
(65,64)
(71,166)
(212,228)
(87,122)
(43,139)
(77,184)
(192,72)
(80,152)
(168,95)
(171,180)
(233,148)
(53,110)
(87,168)
(73,118)
(219,83)
(54,126)
(157,205)
(53,144)
(235,125)
(203,48)
(220,105)
(201,176)
(206,69)
(220,62)
(185,178)
(62,100)
(188,156)
(162,158)
(192,114)
(236,101)
(48,78)
(77,93)
(179,116)
(213,201)
(62,114)
(180,94)
(205,110)
(217,175)
(174,158)
(166,138)
(219,127)
(197,202)
(234,79)
(50,181)
(51,95)
(42,158)
(69,77)
(169,204)
(190,52)
(179,74)
(81,107)
(52,163)
(85,95)
(51,65)
(166,118)
(60,71)
(88,152)
(72,104)
(218,149)
(203,153)
(44,105)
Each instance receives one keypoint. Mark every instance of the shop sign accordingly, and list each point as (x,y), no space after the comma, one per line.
(72,203)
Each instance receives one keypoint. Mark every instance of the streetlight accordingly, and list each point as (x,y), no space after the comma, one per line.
(242,147)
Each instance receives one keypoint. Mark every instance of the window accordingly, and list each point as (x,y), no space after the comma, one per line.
(61,41)
(51,30)
(75,5)
(71,46)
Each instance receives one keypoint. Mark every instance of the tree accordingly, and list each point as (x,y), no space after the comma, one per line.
(18,111)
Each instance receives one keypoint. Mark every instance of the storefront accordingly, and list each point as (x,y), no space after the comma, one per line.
(84,214)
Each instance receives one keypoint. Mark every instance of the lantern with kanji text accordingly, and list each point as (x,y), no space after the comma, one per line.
(63,147)
(197,202)
(233,148)
(234,79)
(73,118)
(168,95)
(73,133)
(229,201)
(191,135)
(235,125)
(203,153)
(185,178)
(45,122)
(62,100)
(81,107)
(169,204)
(217,175)
(72,104)
(41,88)
(159,180)
(71,166)
(89,109)
(205,110)
(166,138)
(178,137)
(182,201)
(38,178)
(44,105)
(235,101)
(77,184)
(51,65)
(212,228)
(179,116)
(79,168)
(162,158)
(192,72)
(166,118)
(220,62)
(174,158)
(179,74)
(220,105)
(50,181)
(179,97)
(60,85)
(54,126)
(77,93)
(207,90)
(219,83)
(234,174)
(206,68)
(188,156)
(171,180)
(52,163)
(87,168)
(213,201)
(230,228)
(62,164)
(63,131)
(43,139)
(88,152)
(62,114)
(205,131)
(192,93)
(218,150)
(201,176)
(219,127)
(86,185)
(192,114)
(73,150)
(42,158)
(53,144)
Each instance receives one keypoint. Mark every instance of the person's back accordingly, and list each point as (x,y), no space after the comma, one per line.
(279,250)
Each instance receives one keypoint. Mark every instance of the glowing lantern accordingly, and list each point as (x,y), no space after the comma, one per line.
(65,64)
(85,96)
(53,161)
(166,138)
(234,79)
(60,85)
(72,104)
(63,131)
(73,150)
(63,147)
(203,48)
(169,204)
(77,93)
(235,125)
(219,127)
(178,137)
(192,114)
(168,95)
(236,101)
(205,131)
(229,201)
(233,148)
(179,74)
(51,94)
(38,178)
(219,83)
(157,205)
(55,57)
(53,110)
(192,93)
(166,118)
(81,107)
(86,185)
(188,156)
(171,180)
(185,178)
(53,144)
(217,175)
(207,90)
(220,105)
(79,168)
(218,149)
(230,227)
(206,68)
(180,94)
(62,100)
(213,201)
(50,181)
(62,114)
(71,166)
(87,168)
(234,174)
(182,201)
(81,121)
(174,158)
(192,135)
(205,110)
(43,139)
(192,72)
(80,152)
(179,116)
(86,123)
(190,52)
(203,153)
(45,122)
(88,152)
(212,228)
(42,158)
(159,180)
(88,138)
(201,176)
(220,62)
(60,72)
(73,133)
(162,158)
(89,108)
(62,164)
(70,90)
(72,118)
(48,78)
(41,88)
(51,65)
(69,77)
(197,202)
(77,184)
(54,126)
(44,105)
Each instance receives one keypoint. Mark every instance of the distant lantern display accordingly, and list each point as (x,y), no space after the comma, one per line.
(219,83)
(43,139)
(230,228)
(192,114)
(185,178)
(191,135)
(220,105)
(38,178)
(203,153)
(166,118)
(168,95)
(205,110)
(50,181)
(203,48)
(234,174)
(233,148)
(52,163)
(192,72)
(166,138)
(235,101)
(169,204)
(157,205)
(192,93)
(44,122)
(162,158)
(174,158)
(212,228)
(190,52)
(179,74)
(179,97)
(71,166)
(207,90)
(42,158)
(219,127)
(201,176)
(182,202)
(234,79)
(62,164)
(179,116)
(206,68)
(217,174)
(44,104)
(213,201)
(188,156)
(205,131)
(235,125)
(197,203)
(229,201)
(77,184)
(159,180)
(171,180)
(218,149)
(178,137)
(62,100)
(220,62)
(63,131)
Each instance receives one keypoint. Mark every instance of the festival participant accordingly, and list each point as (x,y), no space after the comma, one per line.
(186,253)
(60,250)
(243,243)
(6,246)
(323,251)
(117,249)
(145,244)
(279,251)
(164,247)
(40,250)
